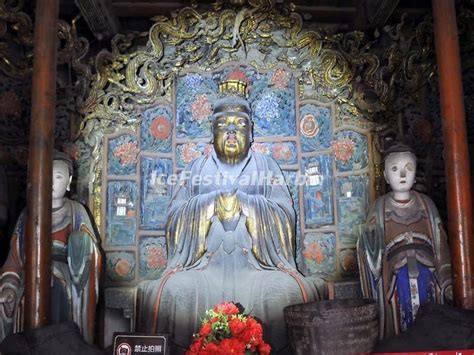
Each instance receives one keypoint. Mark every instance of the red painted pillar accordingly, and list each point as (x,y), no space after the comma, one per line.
(456,153)
(39,199)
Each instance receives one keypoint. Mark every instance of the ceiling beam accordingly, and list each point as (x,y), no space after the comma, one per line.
(136,8)
(141,8)
(324,14)
(374,13)
(100,18)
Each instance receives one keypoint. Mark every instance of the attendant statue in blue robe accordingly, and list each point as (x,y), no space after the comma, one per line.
(230,236)
(403,253)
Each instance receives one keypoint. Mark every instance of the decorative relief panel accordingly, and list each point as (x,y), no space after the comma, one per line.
(318,200)
(314,99)
(313,159)
(352,201)
(122,201)
(155,192)
(187,152)
(194,96)
(319,252)
(350,150)
(152,257)
(272,99)
(315,127)
(156,129)
(282,152)
(120,266)
(122,155)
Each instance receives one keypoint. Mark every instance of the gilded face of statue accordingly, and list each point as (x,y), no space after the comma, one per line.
(232,135)
(61,179)
(400,171)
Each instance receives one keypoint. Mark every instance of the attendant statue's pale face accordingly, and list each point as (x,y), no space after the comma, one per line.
(232,137)
(61,180)
(400,172)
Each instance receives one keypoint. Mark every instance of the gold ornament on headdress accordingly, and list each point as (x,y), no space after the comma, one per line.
(233,88)
(234,96)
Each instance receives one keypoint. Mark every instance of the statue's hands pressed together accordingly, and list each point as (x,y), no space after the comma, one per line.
(228,209)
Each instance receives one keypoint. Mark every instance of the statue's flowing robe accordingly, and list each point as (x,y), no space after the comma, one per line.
(253,264)
(76,265)
(403,260)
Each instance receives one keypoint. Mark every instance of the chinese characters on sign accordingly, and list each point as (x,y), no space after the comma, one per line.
(138,344)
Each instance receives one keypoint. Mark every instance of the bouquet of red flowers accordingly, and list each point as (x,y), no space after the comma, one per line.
(226,330)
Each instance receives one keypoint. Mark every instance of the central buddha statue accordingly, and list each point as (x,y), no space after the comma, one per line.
(230,236)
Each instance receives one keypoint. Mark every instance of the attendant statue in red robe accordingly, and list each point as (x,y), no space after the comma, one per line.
(75,262)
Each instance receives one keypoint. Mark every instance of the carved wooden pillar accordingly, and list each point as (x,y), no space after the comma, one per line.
(38,225)
(456,154)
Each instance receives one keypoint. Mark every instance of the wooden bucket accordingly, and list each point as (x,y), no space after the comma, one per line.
(333,327)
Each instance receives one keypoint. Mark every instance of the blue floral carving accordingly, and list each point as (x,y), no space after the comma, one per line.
(187,152)
(321,116)
(358,159)
(152,257)
(193,82)
(282,152)
(273,108)
(122,155)
(272,105)
(192,87)
(266,109)
(319,253)
(148,141)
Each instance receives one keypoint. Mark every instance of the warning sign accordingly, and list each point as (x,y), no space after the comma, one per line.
(140,344)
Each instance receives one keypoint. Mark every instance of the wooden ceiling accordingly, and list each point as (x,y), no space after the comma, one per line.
(106,17)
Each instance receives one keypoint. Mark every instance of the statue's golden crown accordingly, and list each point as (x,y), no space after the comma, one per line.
(232,97)
(233,88)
